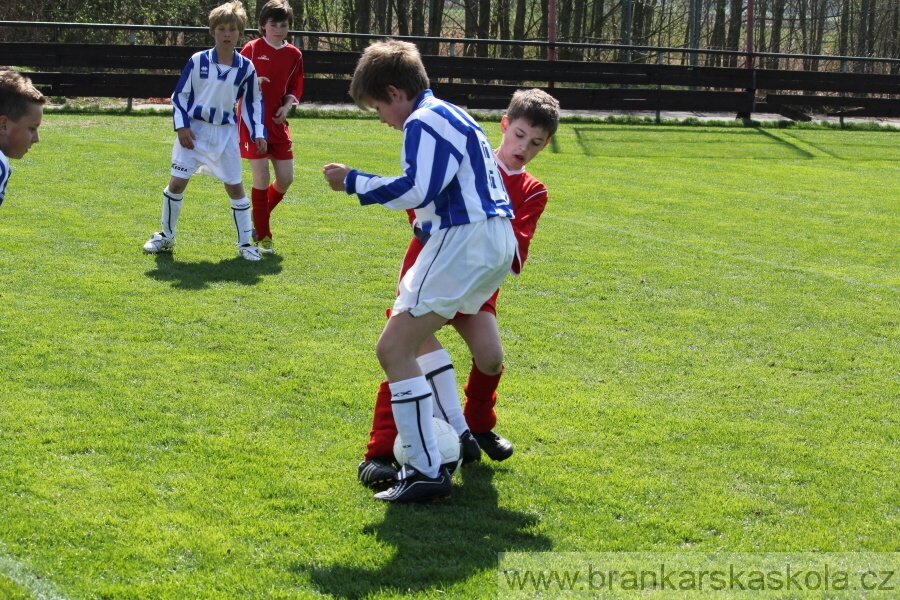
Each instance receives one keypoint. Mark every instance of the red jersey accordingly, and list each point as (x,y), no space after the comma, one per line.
(283,67)
(529,199)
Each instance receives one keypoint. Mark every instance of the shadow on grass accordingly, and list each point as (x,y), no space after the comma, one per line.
(437,545)
(199,275)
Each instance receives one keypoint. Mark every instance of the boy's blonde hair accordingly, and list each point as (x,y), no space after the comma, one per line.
(230,12)
(537,107)
(390,62)
(276,11)
(17,94)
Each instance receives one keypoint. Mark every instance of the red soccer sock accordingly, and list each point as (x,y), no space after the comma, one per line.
(384,429)
(273,197)
(481,396)
(260,213)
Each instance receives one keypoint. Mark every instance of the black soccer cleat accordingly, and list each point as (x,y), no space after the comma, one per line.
(377,471)
(413,486)
(471,452)
(496,447)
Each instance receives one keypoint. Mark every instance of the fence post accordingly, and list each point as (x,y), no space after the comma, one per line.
(841,108)
(451,52)
(659,61)
(130,71)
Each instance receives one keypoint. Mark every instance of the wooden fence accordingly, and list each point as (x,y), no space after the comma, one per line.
(147,71)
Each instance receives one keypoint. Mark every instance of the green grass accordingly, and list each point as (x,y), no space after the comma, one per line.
(702,355)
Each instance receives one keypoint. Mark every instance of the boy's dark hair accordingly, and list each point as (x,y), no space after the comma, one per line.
(537,107)
(229,13)
(276,11)
(17,94)
(389,62)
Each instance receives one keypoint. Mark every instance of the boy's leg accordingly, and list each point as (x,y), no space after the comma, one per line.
(377,465)
(384,430)
(284,177)
(438,370)
(482,335)
(435,363)
(411,406)
(240,210)
(380,449)
(259,169)
(171,210)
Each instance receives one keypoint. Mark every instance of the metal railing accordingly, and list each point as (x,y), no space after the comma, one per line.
(448,46)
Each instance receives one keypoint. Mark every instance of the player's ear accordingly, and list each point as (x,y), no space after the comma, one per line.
(4,119)
(546,143)
(396,94)
(504,123)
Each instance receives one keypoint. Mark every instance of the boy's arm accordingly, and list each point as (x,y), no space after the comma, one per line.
(251,107)
(294,89)
(524,224)
(181,97)
(431,165)
(295,82)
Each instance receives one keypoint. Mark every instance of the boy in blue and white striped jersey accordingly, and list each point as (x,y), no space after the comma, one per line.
(451,181)
(205,119)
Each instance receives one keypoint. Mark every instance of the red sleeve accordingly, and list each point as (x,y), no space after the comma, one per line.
(527,213)
(295,84)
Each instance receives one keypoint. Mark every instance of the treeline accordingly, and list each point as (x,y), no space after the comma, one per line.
(809,27)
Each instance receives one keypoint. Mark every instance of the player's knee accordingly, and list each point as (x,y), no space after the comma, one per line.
(490,363)
(177,185)
(284,182)
(235,191)
(387,354)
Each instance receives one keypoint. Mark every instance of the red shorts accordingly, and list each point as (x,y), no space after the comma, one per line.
(412,252)
(276,151)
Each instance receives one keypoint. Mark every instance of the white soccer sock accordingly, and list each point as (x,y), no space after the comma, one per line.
(440,375)
(411,405)
(171,209)
(242,221)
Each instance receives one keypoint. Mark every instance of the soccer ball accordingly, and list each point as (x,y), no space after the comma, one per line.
(448,445)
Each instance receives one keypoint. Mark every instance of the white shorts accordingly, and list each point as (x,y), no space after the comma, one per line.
(215,148)
(458,269)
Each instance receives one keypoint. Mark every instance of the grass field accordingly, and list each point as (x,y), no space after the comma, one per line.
(703,355)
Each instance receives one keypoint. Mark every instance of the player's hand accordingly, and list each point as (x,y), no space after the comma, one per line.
(281,114)
(261,146)
(263,79)
(335,174)
(186,138)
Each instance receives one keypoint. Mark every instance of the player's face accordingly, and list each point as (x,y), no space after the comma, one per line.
(18,136)
(521,142)
(226,35)
(275,31)
(394,112)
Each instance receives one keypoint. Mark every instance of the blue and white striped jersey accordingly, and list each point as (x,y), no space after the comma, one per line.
(208,91)
(450,177)
(5,172)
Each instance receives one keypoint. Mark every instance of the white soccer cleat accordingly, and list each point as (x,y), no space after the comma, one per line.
(249,252)
(159,243)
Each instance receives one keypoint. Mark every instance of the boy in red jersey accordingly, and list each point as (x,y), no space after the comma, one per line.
(532,118)
(279,66)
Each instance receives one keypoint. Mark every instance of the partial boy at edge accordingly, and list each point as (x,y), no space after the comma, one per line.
(21,111)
